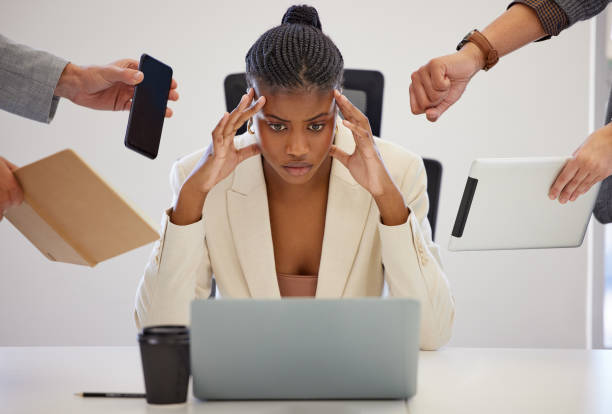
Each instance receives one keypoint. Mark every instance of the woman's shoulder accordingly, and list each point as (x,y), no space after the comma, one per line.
(399,161)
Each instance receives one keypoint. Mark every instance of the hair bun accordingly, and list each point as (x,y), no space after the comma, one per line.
(304,14)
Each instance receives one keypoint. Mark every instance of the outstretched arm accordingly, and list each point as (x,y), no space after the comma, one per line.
(32,81)
(440,83)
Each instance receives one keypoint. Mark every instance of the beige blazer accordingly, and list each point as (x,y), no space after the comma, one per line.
(233,242)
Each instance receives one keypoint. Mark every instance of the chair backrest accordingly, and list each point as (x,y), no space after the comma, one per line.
(364,88)
(433,169)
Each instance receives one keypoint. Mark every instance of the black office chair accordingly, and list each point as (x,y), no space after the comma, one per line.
(433,169)
(364,88)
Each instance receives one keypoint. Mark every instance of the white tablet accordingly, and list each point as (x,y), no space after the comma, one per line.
(505,205)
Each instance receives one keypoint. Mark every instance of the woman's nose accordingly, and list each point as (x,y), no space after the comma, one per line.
(297,145)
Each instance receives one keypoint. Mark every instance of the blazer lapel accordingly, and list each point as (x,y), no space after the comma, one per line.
(249,219)
(348,205)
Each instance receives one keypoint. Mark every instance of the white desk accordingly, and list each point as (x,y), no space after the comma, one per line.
(454,380)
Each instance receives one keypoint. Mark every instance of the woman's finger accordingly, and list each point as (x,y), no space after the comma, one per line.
(248,113)
(173,84)
(362,137)
(217,132)
(235,114)
(169,112)
(350,111)
(247,152)
(340,155)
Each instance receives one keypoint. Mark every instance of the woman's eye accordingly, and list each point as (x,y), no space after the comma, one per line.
(277,127)
(316,127)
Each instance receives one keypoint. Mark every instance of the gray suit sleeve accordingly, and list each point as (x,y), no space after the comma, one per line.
(577,10)
(27,80)
(603,205)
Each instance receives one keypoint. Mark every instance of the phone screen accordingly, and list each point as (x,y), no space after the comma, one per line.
(148,107)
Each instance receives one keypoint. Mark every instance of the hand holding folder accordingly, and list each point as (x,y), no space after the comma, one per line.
(72,215)
(10,191)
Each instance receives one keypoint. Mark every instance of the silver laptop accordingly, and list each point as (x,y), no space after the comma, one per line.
(505,205)
(304,348)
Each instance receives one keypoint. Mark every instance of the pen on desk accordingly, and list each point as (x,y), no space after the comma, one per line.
(110,394)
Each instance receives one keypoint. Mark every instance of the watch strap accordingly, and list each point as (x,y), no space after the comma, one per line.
(490,54)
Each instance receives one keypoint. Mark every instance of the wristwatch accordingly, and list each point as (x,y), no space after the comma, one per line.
(490,54)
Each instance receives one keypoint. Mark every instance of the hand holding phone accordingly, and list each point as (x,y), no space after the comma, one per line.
(148,109)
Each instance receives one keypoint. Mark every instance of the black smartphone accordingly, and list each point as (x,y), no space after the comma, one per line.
(148,110)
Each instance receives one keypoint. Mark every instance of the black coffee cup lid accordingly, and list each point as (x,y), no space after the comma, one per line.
(165,330)
(164,333)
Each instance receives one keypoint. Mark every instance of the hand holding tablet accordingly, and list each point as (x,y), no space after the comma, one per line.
(505,205)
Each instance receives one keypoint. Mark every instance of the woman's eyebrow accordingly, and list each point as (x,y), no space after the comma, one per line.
(276,117)
(317,116)
(307,120)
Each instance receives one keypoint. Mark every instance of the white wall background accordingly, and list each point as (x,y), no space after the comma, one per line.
(533,103)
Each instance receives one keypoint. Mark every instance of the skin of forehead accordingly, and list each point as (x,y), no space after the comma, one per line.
(295,105)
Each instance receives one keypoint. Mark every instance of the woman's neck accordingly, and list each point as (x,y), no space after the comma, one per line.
(279,188)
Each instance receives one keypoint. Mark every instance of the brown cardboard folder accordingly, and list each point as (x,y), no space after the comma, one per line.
(72,215)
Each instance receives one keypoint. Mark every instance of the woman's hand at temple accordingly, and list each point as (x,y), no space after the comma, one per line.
(219,160)
(367,167)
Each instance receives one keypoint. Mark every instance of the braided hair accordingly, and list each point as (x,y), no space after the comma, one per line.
(296,54)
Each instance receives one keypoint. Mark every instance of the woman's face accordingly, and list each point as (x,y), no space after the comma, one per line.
(294,130)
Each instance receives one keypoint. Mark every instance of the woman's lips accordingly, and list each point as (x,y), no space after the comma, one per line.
(297,169)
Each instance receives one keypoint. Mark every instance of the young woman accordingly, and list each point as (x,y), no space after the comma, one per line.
(303,204)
